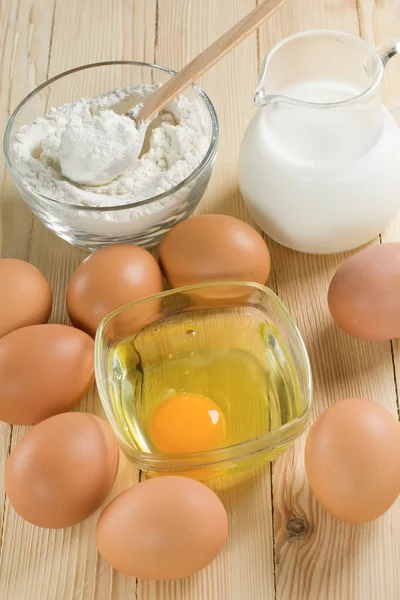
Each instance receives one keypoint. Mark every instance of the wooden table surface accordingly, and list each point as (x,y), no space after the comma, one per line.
(282,544)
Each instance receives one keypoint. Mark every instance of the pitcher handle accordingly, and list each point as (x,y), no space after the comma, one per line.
(386,52)
(389,50)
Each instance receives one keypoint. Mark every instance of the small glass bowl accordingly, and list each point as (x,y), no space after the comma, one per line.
(159,311)
(143,223)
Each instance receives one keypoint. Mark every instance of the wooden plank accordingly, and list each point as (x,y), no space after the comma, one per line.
(25,30)
(25,33)
(244,570)
(40,564)
(382,21)
(317,556)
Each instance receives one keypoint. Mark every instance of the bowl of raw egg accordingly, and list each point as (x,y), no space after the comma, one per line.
(203,380)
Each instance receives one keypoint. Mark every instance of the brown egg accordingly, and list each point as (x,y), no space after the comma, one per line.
(25,295)
(108,279)
(352,460)
(62,470)
(213,248)
(44,370)
(363,297)
(162,529)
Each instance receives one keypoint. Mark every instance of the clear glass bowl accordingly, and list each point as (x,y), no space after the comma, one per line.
(143,223)
(157,314)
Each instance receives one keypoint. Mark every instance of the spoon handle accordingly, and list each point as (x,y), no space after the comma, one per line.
(204,61)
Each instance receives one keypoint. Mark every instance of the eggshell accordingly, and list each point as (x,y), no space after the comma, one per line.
(44,370)
(25,295)
(62,470)
(213,248)
(363,296)
(161,529)
(108,279)
(352,460)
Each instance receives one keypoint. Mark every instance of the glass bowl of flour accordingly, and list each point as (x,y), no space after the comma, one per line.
(139,206)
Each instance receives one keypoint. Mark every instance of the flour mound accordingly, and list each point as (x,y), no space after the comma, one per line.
(96,149)
(175,144)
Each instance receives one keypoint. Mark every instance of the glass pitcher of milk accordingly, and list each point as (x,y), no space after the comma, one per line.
(319,165)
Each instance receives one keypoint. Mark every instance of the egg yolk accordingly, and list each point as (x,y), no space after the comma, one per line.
(187,423)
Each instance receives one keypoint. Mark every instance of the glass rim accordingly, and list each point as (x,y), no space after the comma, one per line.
(164,462)
(333,33)
(208,157)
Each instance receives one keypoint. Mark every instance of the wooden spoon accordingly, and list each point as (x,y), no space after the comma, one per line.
(81,165)
(204,61)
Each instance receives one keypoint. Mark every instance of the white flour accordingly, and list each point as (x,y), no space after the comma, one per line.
(174,146)
(96,149)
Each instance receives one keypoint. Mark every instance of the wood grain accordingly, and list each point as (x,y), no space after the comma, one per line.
(282,545)
(25,31)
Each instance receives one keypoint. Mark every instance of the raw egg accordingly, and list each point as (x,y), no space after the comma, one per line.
(212,248)
(363,296)
(187,423)
(44,370)
(352,460)
(108,279)
(161,529)
(62,470)
(25,295)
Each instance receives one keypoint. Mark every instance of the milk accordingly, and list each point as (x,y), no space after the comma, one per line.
(322,179)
